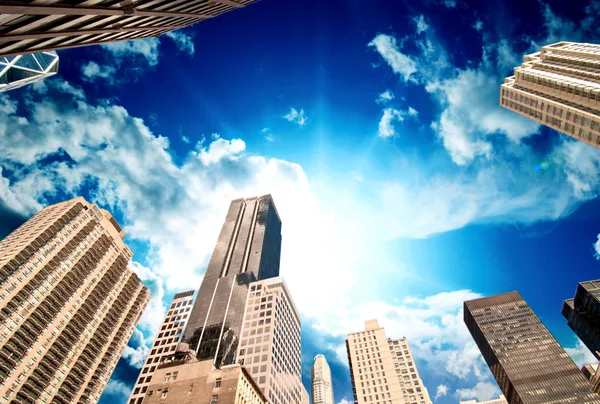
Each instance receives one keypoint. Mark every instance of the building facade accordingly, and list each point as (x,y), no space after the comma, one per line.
(383,370)
(192,381)
(68,304)
(527,362)
(560,88)
(27,27)
(20,70)
(248,249)
(270,348)
(168,336)
(583,314)
(320,375)
(499,400)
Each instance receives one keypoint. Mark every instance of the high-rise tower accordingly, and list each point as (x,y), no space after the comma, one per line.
(527,362)
(383,369)
(68,304)
(559,87)
(322,389)
(583,314)
(34,26)
(168,336)
(248,249)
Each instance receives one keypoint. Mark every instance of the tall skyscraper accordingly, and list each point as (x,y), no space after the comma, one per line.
(270,347)
(168,336)
(320,375)
(18,71)
(248,249)
(68,304)
(527,362)
(583,314)
(499,400)
(559,88)
(382,369)
(56,24)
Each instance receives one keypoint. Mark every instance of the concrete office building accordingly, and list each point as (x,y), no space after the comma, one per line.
(18,71)
(560,88)
(305,396)
(499,400)
(34,26)
(248,249)
(68,304)
(320,375)
(188,380)
(168,336)
(592,374)
(527,362)
(583,314)
(383,370)
(270,348)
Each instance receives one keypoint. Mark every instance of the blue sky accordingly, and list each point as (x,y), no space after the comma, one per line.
(403,187)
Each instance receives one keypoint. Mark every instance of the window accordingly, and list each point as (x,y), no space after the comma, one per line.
(167,377)
(213,399)
(217,384)
(190,388)
(164,393)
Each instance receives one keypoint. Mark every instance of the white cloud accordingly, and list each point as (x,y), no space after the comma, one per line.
(267,134)
(450,3)
(442,390)
(385,97)
(412,111)
(146,48)
(597,248)
(422,26)
(400,63)
(185,139)
(118,388)
(478,26)
(580,354)
(386,124)
(221,149)
(296,117)
(136,356)
(92,71)
(345,401)
(183,41)
(482,391)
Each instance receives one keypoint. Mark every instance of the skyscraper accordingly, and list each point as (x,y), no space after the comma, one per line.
(527,362)
(559,88)
(168,336)
(68,304)
(583,314)
(17,71)
(320,375)
(270,347)
(50,25)
(382,369)
(248,249)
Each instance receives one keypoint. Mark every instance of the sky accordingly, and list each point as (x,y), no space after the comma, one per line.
(403,188)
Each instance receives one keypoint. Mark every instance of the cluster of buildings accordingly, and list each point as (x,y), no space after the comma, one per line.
(69,301)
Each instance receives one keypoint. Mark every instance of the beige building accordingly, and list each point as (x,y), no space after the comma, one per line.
(68,304)
(305,397)
(499,400)
(320,374)
(383,370)
(560,88)
(191,381)
(34,26)
(168,336)
(270,346)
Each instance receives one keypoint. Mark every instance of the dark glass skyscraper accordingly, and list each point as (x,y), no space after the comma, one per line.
(527,362)
(248,249)
(583,314)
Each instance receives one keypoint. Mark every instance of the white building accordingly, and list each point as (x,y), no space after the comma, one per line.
(499,400)
(322,390)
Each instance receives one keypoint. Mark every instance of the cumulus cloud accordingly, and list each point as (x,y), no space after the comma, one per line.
(136,356)
(296,117)
(400,63)
(118,389)
(422,26)
(146,48)
(345,401)
(386,127)
(482,391)
(597,248)
(92,71)
(580,354)
(183,41)
(441,391)
(385,97)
